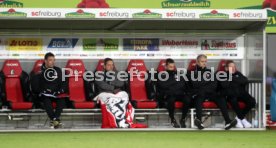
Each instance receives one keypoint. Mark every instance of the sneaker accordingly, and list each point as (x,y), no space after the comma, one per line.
(246,124)
(182,123)
(57,123)
(52,124)
(233,123)
(199,124)
(174,123)
(239,123)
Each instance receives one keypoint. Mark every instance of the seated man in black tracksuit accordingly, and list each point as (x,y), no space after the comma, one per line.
(50,87)
(203,87)
(234,90)
(171,90)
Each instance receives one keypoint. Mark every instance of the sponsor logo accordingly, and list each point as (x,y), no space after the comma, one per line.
(214,14)
(100,55)
(45,14)
(75,64)
(225,54)
(66,55)
(15,55)
(10,4)
(182,14)
(271,18)
(24,44)
(142,54)
(12,64)
(186,3)
(141,44)
(218,44)
(80,14)
(258,54)
(63,43)
(137,64)
(147,14)
(233,54)
(12,13)
(40,55)
(180,43)
(83,55)
(12,72)
(115,14)
(107,44)
(247,15)
(58,54)
(150,54)
(183,55)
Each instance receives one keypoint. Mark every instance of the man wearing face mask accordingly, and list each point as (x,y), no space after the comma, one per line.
(172,88)
(51,87)
(203,88)
(235,91)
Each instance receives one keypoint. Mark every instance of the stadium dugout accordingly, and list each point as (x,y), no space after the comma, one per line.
(141,39)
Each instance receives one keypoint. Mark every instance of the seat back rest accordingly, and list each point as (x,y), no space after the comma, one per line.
(12,71)
(162,66)
(37,66)
(192,65)
(221,65)
(137,84)
(76,81)
(100,66)
(34,76)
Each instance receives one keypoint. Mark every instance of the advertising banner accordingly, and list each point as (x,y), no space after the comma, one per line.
(83,47)
(269,5)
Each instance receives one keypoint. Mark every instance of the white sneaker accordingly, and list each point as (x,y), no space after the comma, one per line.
(239,123)
(246,124)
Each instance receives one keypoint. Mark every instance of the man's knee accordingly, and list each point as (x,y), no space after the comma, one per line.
(232,100)
(187,101)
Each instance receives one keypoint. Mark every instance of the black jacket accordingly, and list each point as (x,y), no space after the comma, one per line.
(235,86)
(172,86)
(53,83)
(202,85)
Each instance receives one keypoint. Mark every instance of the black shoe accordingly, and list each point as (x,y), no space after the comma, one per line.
(174,123)
(233,123)
(199,124)
(182,123)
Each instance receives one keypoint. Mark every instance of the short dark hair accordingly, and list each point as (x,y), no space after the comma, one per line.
(169,61)
(49,54)
(107,59)
(228,62)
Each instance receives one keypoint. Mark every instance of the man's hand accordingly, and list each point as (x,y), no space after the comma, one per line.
(47,91)
(56,93)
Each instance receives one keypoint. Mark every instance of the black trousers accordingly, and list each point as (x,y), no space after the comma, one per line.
(220,101)
(244,97)
(49,108)
(170,101)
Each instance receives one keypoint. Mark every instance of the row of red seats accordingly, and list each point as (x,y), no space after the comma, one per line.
(12,71)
